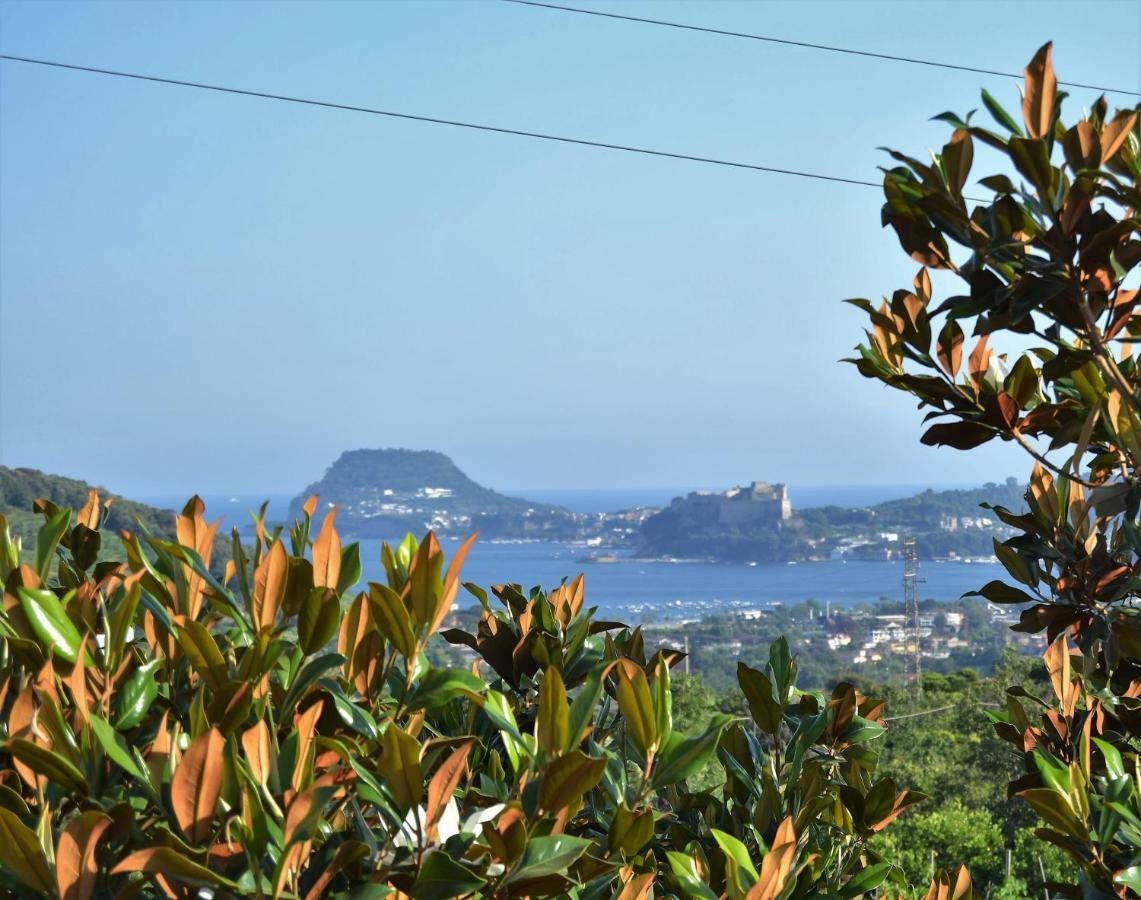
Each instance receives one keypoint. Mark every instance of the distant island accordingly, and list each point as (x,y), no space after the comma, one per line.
(757,524)
(386,492)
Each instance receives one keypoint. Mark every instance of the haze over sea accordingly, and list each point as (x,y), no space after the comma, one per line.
(649,591)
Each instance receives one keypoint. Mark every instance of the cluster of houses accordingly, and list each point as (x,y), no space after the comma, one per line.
(966,523)
(890,635)
(387,503)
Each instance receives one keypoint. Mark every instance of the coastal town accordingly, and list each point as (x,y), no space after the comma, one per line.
(870,640)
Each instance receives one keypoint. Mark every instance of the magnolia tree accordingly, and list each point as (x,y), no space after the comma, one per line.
(276,730)
(1048,261)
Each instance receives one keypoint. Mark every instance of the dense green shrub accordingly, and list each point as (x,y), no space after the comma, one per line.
(967,835)
(277,731)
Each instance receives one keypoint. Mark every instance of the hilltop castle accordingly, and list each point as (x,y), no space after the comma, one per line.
(759,503)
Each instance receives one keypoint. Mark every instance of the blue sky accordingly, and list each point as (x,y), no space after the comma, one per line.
(215,293)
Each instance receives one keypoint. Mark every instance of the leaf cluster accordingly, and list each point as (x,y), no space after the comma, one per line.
(278,731)
(1047,266)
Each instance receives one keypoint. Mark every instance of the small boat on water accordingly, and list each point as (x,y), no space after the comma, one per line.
(598,558)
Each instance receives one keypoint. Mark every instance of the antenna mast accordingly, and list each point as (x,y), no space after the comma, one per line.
(913,661)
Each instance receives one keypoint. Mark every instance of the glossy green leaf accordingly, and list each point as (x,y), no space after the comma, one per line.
(392,618)
(48,763)
(45,613)
(583,706)
(138,694)
(758,691)
(48,539)
(306,677)
(350,573)
(550,855)
(438,687)
(867,879)
(633,693)
(683,756)
(738,862)
(440,878)
(353,715)
(318,620)
(201,649)
(115,746)
(22,854)
(688,877)
(568,778)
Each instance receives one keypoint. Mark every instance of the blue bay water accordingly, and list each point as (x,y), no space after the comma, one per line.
(648,591)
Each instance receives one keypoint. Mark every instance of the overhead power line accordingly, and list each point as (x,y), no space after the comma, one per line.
(805,44)
(925,712)
(327,104)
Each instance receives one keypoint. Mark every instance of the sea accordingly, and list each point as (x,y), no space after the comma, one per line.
(641,591)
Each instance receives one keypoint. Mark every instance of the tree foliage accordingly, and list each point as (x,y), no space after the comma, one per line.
(1047,263)
(278,731)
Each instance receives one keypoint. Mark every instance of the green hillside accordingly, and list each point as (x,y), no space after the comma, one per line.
(20,488)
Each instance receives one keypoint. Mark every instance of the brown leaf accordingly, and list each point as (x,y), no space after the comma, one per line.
(75,868)
(1057,658)
(269,585)
(922,283)
(776,865)
(567,599)
(305,726)
(552,718)
(451,583)
(960,435)
(257,747)
(77,683)
(637,888)
(979,362)
(1115,133)
(348,854)
(944,888)
(327,553)
(443,785)
(567,779)
(164,863)
(197,785)
(359,643)
(1041,89)
(158,757)
(949,348)
(958,155)
(22,724)
(90,512)
(1081,146)
(194,532)
(1008,409)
